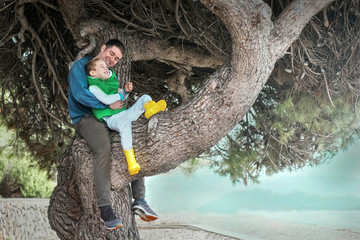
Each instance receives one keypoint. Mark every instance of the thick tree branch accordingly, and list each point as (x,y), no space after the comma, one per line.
(73,13)
(290,23)
(241,16)
(249,24)
(147,48)
(142,48)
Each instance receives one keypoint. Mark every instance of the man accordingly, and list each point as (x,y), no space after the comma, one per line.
(96,134)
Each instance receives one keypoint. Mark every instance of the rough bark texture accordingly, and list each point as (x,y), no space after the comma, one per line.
(73,210)
(172,137)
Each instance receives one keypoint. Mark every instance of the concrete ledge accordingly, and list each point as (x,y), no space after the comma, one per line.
(25,218)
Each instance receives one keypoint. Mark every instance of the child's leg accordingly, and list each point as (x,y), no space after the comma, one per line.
(135,111)
(121,123)
(133,166)
(126,142)
(125,132)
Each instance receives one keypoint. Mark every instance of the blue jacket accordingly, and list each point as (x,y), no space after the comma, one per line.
(80,99)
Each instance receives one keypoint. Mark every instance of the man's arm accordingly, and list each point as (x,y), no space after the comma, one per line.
(78,85)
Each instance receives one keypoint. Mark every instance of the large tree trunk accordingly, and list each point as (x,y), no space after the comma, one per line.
(172,137)
(73,211)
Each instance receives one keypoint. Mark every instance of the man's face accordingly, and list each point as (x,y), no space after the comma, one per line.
(101,70)
(111,55)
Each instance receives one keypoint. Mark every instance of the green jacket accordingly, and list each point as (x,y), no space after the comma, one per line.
(108,86)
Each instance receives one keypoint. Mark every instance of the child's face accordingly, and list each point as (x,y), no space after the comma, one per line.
(101,70)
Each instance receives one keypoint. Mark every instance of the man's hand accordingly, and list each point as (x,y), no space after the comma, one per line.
(117,105)
(128,87)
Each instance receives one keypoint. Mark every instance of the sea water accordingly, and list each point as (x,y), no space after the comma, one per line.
(333,219)
(274,225)
(314,203)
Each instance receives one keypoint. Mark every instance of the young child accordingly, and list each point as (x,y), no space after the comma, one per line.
(104,85)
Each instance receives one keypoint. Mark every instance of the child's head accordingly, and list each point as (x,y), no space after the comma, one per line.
(97,68)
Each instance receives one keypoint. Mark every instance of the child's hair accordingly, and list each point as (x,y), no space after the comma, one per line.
(90,65)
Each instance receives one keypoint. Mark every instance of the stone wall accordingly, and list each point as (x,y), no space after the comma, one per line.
(25,218)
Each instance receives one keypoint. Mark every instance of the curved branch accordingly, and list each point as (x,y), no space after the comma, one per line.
(289,24)
(73,13)
(148,48)
(91,46)
(142,48)
(242,16)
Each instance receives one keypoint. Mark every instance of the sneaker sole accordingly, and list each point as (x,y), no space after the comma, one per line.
(144,217)
(111,228)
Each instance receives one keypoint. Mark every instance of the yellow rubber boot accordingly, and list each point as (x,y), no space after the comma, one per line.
(133,166)
(152,107)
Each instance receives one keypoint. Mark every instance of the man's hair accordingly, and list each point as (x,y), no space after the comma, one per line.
(90,65)
(116,43)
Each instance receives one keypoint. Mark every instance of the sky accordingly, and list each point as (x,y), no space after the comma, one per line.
(177,192)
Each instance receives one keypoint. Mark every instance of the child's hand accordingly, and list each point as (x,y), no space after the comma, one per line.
(128,86)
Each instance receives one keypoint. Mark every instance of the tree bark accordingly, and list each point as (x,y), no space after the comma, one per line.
(73,210)
(172,137)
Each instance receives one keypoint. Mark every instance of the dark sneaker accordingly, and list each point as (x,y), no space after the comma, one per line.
(108,217)
(141,208)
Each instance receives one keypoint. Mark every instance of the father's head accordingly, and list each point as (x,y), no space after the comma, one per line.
(111,52)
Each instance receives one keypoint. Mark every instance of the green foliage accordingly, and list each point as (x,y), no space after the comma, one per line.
(190,166)
(18,166)
(33,181)
(287,133)
(238,165)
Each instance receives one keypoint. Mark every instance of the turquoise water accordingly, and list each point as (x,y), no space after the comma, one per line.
(327,195)
(333,219)
(205,193)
